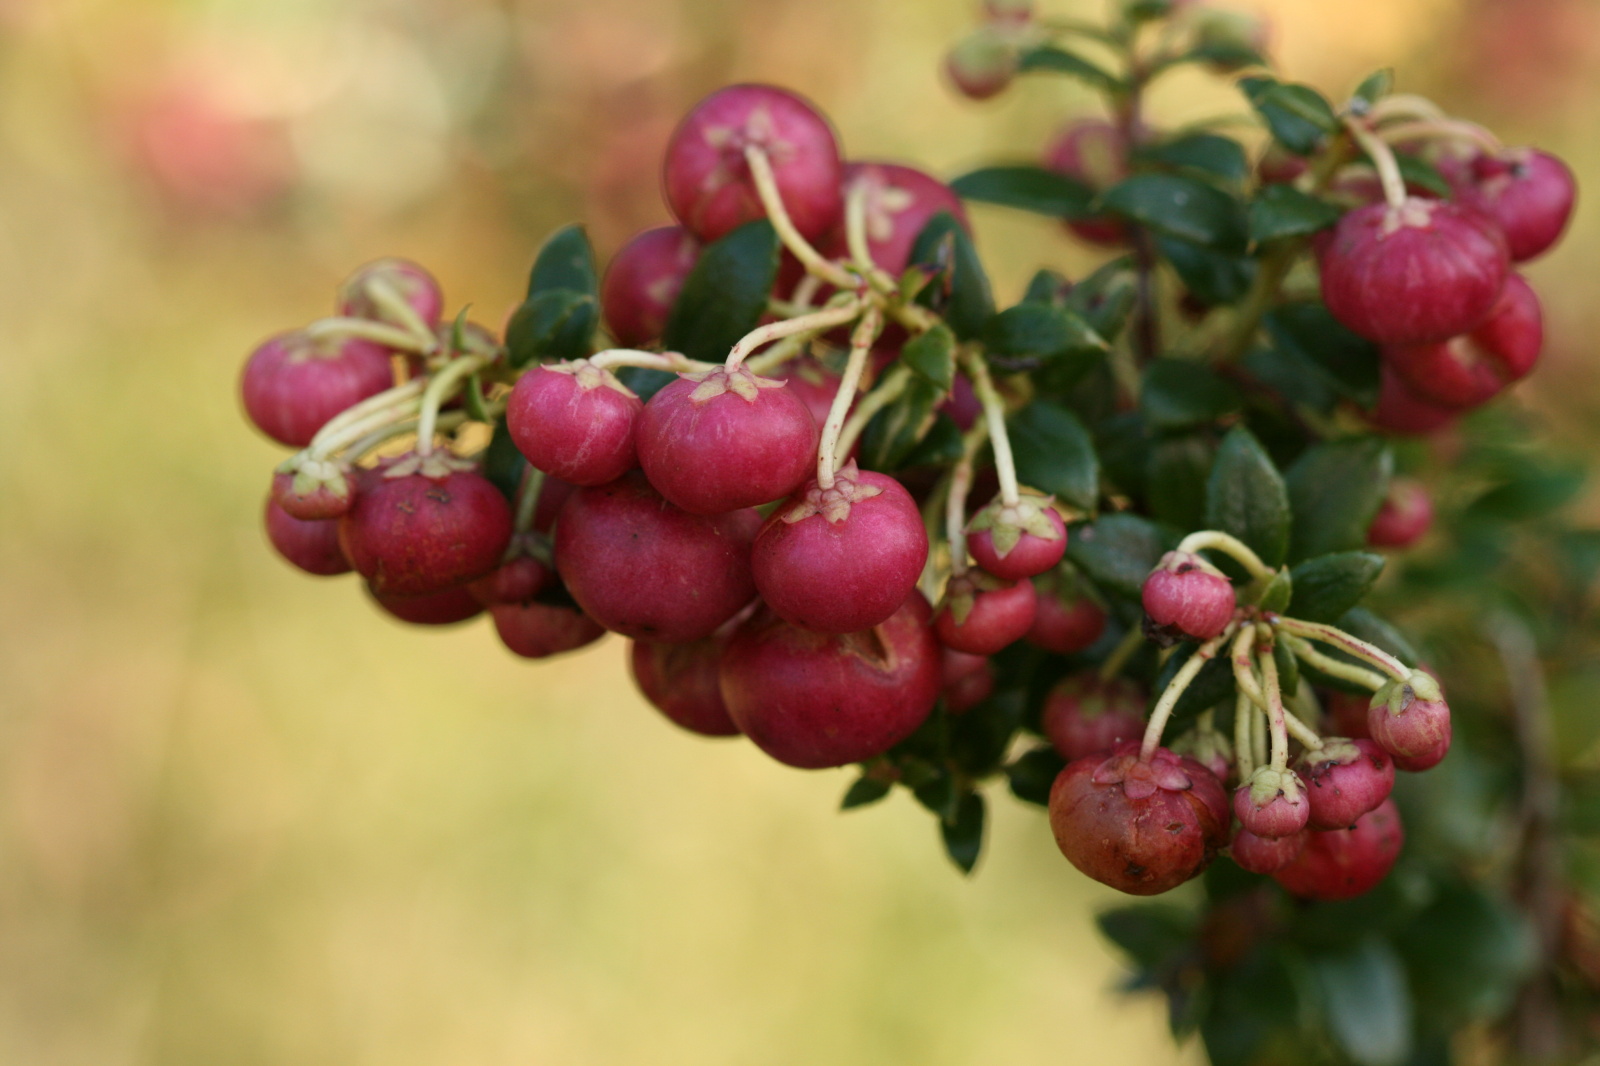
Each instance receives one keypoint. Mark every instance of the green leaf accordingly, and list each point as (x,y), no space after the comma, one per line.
(503,464)
(1055,454)
(1180,207)
(1104,298)
(1297,115)
(1042,332)
(1328,586)
(1362,623)
(1415,170)
(864,791)
(1175,482)
(1347,363)
(933,356)
(1118,551)
(645,382)
(1048,287)
(1211,685)
(1032,774)
(725,294)
(940,445)
(564,263)
(1152,935)
(1028,187)
(1214,278)
(1366,1002)
(1335,490)
(1247,497)
(473,400)
(963,297)
(1182,394)
(1208,152)
(551,325)
(963,835)
(892,435)
(1288,669)
(1373,87)
(1059,61)
(1279,592)
(1535,493)
(1466,955)
(1280,211)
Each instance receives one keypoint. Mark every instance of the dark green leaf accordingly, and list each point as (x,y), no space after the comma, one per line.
(1295,378)
(980,737)
(1373,87)
(1208,152)
(940,446)
(1224,55)
(1535,493)
(1182,394)
(1059,61)
(1048,287)
(1280,211)
(933,356)
(1298,116)
(1362,623)
(894,432)
(1329,585)
(725,294)
(1105,298)
(963,294)
(1213,684)
(1347,362)
(565,262)
(1055,454)
(1118,551)
(1175,483)
(937,793)
(1124,446)
(1417,171)
(1028,187)
(1335,490)
(866,790)
(963,834)
(1180,207)
(1466,955)
(1366,1002)
(1035,331)
(1152,935)
(1279,592)
(1288,669)
(1214,278)
(1032,774)
(644,381)
(503,464)
(551,325)
(1247,497)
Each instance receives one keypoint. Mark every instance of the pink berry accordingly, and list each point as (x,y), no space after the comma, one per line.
(899,202)
(681,681)
(707,179)
(312,489)
(443,608)
(1400,410)
(1095,153)
(968,679)
(813,699)
(1410,718)
(1189,597)
(1019,540)
(1528,193)
(724,439)
(844,558)
(1266,855)
(1345,863)
(1468,370)
(1344,780)
(814,385)
(310,544)
(515,581)
(424,523)
(539,630)
(1272,803)
(646,569)
(1140,827)
(981,615)
(1427,760)
(1421,272)
(1347,713)
(415,286)
(1066,622)
(1084,714)
(1405,516)
(643,281)
(575,421)
(292,385)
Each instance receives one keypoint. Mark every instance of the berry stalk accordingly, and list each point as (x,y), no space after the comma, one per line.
(402,340)
(815,322)
(1333,667)
(1338,638)
(439,389)
(860,347)
(1176,688)
(994,414)
(1230,546)
(1382,156)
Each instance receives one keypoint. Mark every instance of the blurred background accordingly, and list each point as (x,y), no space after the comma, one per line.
(244,818)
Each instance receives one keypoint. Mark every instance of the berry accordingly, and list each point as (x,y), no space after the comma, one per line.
(844,558)
(1528,193)
(982,64)
(1009,11)
(1095,153)
(1405,516)
(1279,166)
(1344,780)
(1186,596)
(443,608)
(1344,863)
(681,681)
(707,179)
(813,700)
(646,569)
(1272,803)
(575,421)
(980,615)
(1411,719)
(1415,764)
(899,203)
(292,385)
(1414,274)
(312,545)
(1019,540)
(1210,749)
(968,679)
(425,523)
(643,281)
(962,405)
(311,489)
(518,580)
(413,283)
(813,385)
(1141,827)
(539,630)
(1232,38)
(1266,855)
(1084,714)
(1400,410)
(1066,622)
(1347,711)
(725,439)
(1468,370)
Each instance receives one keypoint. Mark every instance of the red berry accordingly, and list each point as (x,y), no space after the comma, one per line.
(724,439)
(1528,193)
(425,523)
(311,489)
(1084,714)
(968,679)
(1410,718)
(443,608)
(899,203)
(1400,410)
(1344,863)
(292,385)
(812,699)
(1066,622)
(1272,803)
(539,630)
(1020,540)
(553,496)
(575,421)
(844,558)
(1405,516)
(1421,272)
(312,545)
(707,180)
(413,283)
(518,580)
(1187,596)
(813,385)
(646,569)
(1347,711)
(1415,764)
(981,615)
(1344,780)
(1264,855)
(643,281)
(1279,166)
(982,64)
(1468,370)
(1141,827)
(680,681)
(963,405)
(1095,153)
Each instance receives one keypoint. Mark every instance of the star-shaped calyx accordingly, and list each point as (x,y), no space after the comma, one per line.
(1141,778)
(832,503)
(1411,213)
(590,377)
(740,381)
(436,465)
(961,594)
(1008,522)
(315,475)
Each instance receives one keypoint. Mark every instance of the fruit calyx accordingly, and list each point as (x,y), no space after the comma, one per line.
(739,380)
(1007,523)
(834,502)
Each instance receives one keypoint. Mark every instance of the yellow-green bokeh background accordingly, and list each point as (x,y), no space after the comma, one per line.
(243,818)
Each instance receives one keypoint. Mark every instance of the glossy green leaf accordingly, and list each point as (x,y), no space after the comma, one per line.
(865,790)
(1279,592)
(503,464)
(1247,497)
(1466,954)
(725,294)
(1029,188)
(1373,87)
(1032,773)
(1118,551)
(565,262)
(1055,454)
(1060,61)
(1181,207)
(1175,480)
(1280,211)
(1366,1002)
(1297,115)
(932,355)
(1417,171)
(1214,278)
(552,325)
(1048,287)
(1362,623)
(963,834)
(1335,490)
(1348,363)
(1035,332)
(961,293)
(1182,394)
(1152,935)
(939,446)
(1328,586)
(892,435)
(1105,298)
(1212,685)
(1208,152)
